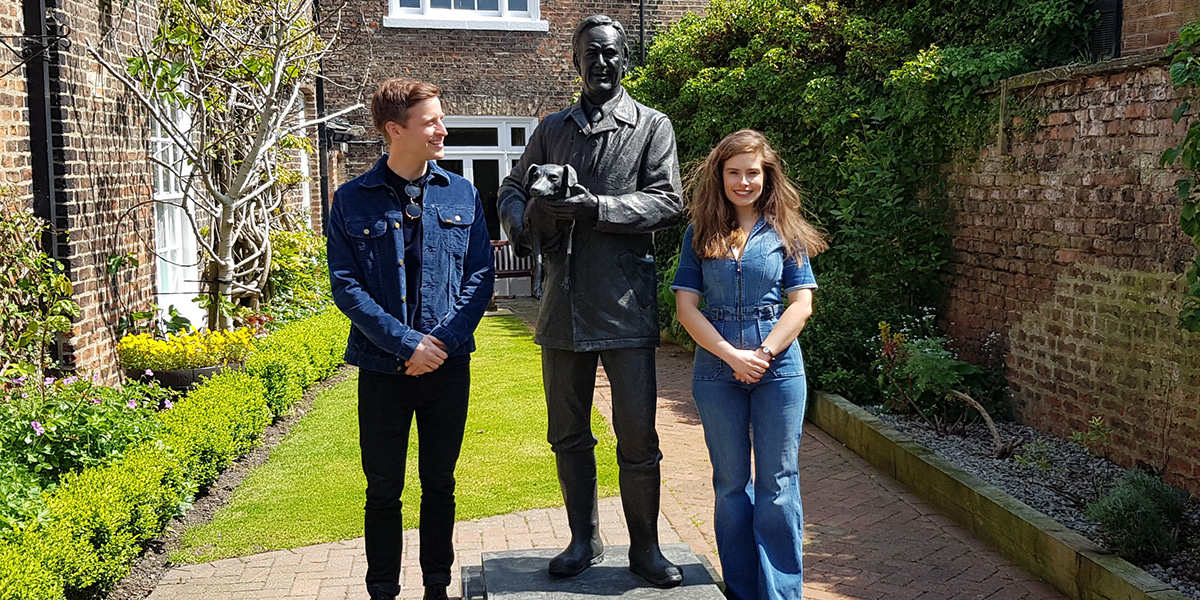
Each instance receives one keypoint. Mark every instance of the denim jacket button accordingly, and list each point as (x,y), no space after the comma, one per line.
(457,218)
(400,264)
(404,298)
(366,232)
(396,225)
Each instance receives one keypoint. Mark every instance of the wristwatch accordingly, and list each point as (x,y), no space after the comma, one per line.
(767,350)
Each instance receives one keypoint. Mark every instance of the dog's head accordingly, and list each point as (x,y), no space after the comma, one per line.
(547,181)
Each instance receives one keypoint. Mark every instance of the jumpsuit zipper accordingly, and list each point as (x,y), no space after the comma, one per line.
(741,325)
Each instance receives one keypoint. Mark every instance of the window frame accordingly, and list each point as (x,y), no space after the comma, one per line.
(174,240)
(426,16)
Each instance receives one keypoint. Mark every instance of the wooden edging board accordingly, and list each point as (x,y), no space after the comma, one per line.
(1076,566)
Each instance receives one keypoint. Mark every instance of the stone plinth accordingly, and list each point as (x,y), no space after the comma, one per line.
(522,575)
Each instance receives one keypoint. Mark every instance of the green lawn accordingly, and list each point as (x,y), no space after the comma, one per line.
(311,490)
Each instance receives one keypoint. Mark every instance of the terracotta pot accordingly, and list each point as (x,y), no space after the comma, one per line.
(181,380)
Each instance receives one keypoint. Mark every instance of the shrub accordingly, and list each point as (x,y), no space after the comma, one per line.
(23,576)
(298,355)
(865,102)
(85,535)
(99,518)
(56,426)
(216,423)
(1139,517)
(298,285)
(188,350)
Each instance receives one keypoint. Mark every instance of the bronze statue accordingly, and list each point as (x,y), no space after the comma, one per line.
(599,298)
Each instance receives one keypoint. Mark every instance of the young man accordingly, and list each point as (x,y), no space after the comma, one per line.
(410,263)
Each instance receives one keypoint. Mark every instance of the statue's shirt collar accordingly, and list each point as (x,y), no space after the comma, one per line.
(621,108)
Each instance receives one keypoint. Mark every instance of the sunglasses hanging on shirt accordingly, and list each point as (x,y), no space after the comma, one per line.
(414,191)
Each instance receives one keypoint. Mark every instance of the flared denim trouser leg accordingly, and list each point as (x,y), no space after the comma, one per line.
(759,521)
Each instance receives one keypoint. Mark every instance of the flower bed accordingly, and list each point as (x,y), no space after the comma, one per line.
(1056,477)
(187,350)
(91,527)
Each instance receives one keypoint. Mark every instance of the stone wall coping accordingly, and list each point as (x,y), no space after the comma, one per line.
(1074,565)
(1068,72)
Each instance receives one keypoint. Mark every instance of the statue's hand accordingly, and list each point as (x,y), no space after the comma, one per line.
(583,205)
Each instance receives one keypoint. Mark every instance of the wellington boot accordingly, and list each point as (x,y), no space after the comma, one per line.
(639,498)
(577,478)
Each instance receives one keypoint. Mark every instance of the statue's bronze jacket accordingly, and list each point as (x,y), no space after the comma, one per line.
(627,159)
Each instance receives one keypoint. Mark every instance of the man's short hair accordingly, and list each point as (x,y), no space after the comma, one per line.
(600,21)
(393,99)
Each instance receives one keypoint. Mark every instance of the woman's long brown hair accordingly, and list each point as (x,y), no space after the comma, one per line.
(716,229)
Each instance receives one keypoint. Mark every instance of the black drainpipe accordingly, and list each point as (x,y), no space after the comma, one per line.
(322,131)
(642,28)
(38,85)
(40,71)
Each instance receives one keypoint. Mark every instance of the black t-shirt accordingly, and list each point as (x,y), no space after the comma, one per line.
(412,246)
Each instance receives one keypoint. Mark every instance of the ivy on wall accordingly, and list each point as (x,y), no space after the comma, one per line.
(866,100)
(1185,71)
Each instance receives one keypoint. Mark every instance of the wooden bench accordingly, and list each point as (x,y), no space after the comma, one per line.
(508,264)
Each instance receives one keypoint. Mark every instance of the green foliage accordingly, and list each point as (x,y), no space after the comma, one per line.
(918,372)
(865,101)
(75,424)
(1096,438)
(77,539)
(1185,71)
(298,285)
(35,296)
(23,576)
(1140,517)
(1034,454)
(299,354)
(216,423)
(671,326)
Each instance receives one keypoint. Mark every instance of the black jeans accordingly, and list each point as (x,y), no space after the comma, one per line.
(570,379)
(387,404)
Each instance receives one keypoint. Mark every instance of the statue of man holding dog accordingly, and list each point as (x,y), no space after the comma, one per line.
(600,289)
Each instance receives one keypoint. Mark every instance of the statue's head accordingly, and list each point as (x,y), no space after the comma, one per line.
(601,56)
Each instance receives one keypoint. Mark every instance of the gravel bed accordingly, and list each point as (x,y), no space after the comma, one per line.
(1059,479)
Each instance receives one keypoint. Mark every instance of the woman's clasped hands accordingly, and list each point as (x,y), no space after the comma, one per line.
(748,365)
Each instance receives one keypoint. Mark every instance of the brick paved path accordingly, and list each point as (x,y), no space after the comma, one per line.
(866,537)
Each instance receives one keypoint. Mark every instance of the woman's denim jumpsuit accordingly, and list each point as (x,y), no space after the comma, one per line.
(759,523)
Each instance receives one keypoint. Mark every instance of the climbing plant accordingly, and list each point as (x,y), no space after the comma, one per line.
(866,100)
(1185,71)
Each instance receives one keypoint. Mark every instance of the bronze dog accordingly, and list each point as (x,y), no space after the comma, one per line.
(544,182)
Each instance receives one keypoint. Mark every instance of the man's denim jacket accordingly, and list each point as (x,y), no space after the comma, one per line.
(365,241)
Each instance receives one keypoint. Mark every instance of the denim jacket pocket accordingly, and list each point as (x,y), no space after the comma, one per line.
(368,234)
(455,234)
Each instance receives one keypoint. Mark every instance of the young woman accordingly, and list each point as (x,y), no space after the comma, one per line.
(748,248)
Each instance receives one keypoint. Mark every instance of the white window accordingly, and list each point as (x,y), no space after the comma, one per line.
(503,15)
(484,150)
(175,243)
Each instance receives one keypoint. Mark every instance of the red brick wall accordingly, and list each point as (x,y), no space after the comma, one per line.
(1070,248)
(14,117)
(1147,26)
(498,73)
(103,175)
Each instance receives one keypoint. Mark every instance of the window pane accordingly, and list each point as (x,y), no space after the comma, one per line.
(440,3)
(489,5)
(454,166)
(518,136)
(467,4)
(518,5)
(410,3)
(487,181)
(472,136)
